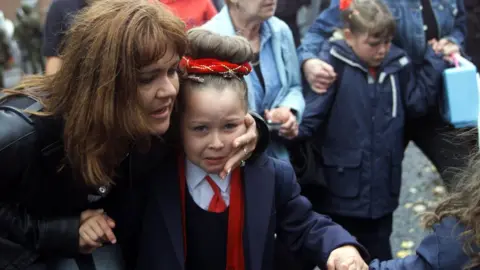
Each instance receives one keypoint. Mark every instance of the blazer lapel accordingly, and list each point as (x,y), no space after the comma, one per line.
(169,203)
(259,192)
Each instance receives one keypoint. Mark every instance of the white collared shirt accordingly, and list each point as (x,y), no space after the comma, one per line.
(200,189)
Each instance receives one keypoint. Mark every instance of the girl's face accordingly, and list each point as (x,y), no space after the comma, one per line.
(211,121)
(158,87)
(370,50)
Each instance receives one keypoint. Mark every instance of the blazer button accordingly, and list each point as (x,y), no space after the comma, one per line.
(340,169)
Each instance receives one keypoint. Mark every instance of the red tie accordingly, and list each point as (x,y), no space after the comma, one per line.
(217,204)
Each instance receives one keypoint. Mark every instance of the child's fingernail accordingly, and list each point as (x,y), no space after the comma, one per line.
(114,241)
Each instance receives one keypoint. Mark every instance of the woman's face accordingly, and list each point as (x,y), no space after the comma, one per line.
(262,9)
(211,121)
(158,87)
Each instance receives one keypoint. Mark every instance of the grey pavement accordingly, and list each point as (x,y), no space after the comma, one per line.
(420,191)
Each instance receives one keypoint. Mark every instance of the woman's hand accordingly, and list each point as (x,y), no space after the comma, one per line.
(346,258)
(445,47)
(319,74)
(95,230)
(244,146)
(284,115)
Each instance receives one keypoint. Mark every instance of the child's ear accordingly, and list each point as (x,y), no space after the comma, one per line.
(348,35)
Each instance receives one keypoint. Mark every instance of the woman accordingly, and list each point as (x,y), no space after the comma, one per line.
(419,23)
(75,146)
(274,85)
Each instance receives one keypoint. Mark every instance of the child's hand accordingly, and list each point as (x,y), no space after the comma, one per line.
(346,258)
(95,229)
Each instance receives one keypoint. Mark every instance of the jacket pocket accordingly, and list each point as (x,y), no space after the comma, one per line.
(342,171)
(396,172)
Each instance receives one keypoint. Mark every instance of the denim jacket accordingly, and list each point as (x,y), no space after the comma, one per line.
(410,35)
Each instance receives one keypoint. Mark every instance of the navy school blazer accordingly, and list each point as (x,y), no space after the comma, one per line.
(273,206)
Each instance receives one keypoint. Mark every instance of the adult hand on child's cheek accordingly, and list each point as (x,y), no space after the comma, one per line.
(346,258)
(244,146)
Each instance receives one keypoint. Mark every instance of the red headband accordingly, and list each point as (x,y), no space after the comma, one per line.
(214,66)
(345,4)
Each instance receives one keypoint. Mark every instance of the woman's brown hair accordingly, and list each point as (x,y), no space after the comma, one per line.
(370,17)
(95,91)
(463,203)
(206,44)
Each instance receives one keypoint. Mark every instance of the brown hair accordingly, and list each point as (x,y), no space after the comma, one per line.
(95,89)
(370,17)
(463,203)
(206,44)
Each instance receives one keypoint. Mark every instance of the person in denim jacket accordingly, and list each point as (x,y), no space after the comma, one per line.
(442,23)
(453,242)
(359,122)
(275,84)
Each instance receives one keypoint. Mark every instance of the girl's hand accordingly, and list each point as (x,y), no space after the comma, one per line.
(244,146)
(346,258)
(95,230)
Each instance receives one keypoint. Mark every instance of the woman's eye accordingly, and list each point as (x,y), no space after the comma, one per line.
(200,128)
(146,80)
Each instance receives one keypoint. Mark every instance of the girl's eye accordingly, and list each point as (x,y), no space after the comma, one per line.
(230,126)
(172,71)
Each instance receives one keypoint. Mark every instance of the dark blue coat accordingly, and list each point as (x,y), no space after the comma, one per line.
(359,125)
(273,206)
(441,250)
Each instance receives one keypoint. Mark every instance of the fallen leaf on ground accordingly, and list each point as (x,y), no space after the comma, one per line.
(419,208)
(408,205)
(407,244)
(403,253)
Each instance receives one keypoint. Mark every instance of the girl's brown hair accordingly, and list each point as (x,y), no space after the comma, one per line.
(370,17)
(463,203)
(95,91)
(206,44)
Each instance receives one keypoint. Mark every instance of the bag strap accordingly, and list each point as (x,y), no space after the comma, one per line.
(25,110)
